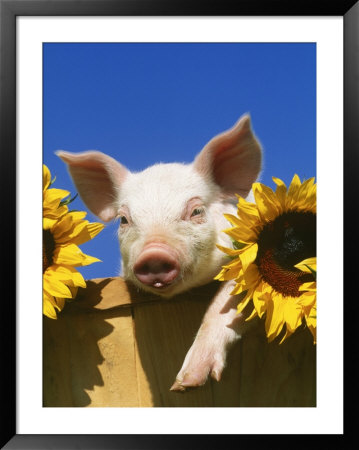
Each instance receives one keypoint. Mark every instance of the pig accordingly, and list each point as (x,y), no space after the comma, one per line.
(171,218)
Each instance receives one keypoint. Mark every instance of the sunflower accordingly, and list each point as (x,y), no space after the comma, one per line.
(273,259)
(63,231)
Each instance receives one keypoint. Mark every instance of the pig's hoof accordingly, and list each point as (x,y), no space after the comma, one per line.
(195,379)
(177,387)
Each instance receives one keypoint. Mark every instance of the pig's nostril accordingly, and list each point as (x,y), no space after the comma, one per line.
(142,269)
(156,269)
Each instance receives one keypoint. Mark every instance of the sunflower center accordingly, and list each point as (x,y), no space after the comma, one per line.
(282,243)
(48,248)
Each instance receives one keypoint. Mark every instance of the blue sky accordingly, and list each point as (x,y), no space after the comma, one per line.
(148,103)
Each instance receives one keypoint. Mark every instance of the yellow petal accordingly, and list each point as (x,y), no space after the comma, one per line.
(46,177)
(242,202)
(310,286)
(242,234)
(281,192)
(73,290)
(248,212)
(252,315)
(304,193)
(47,306)
(240,285)
(252,276)
(87,233)
(286,335)
(306,199)
(60,303)
(275,316)
(63,227)
(266,200)
(54,213)
(311,199)
(69,231)
(72,228)
(78,215)
(230,271)
(55,303)
(229,251)
(313,330)
(70,276)
(47,223)
(292,314)
(311,320)
(54,284)
(71,255)
(220,275)
(233,219)
(52,197)
(243,303)
(293,191)
(260,300)
(248,255)
(307,264)
(307,298)
(311,317)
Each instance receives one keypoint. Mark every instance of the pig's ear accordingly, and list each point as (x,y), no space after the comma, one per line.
(97,178)
(232,159)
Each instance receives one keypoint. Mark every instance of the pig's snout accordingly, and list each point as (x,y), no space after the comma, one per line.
(157,266)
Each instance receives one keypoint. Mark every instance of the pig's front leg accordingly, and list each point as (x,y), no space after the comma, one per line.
(220,328)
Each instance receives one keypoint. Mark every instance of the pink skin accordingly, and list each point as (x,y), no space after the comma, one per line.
(227,165)
(220,328)
(157,265)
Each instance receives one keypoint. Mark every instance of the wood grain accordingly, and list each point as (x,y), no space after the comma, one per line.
(113,346)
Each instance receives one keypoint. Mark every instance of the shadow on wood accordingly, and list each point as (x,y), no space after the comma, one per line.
(115,346)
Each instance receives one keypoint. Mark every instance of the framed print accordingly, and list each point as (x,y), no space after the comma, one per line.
(148,82)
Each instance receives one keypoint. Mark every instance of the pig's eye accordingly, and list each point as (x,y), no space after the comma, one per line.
(197,215)
(123,220)
(196,212)
(124,216)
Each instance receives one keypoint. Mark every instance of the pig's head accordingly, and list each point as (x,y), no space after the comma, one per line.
(171,215)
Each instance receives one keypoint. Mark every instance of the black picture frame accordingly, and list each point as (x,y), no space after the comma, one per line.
(9,10)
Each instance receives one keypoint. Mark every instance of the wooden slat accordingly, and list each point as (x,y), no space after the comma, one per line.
(56,364)
(278,374)
(164,333)
(115,346)
(89,360)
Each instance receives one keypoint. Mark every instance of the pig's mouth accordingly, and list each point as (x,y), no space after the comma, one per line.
(157,267)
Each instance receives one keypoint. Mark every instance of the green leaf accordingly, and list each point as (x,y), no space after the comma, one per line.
(314,272)
(67,202)
(238,245)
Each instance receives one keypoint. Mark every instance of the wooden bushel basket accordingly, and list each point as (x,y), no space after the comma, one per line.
(114,346)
